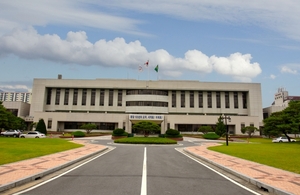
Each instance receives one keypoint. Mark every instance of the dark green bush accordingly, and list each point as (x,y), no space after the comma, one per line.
(211,135)
(130,135)
(172,132)
(119,132)
(78,134)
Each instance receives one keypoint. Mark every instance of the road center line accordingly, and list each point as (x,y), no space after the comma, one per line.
(144,176)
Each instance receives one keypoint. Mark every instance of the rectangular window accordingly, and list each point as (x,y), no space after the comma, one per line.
(75,97)
(57,97)
(192,99)
(236,99)
(93,97)
(83,103)
(242,125)
(200,99)
(49,94)
(244,96)
(182,99)
(209,100)
(111,97)
(173,99)
(120,95)
(66,98)
(49,126)
(227,102)
(102,97)
(218,99)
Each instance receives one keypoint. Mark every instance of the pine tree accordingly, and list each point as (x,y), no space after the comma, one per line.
(220,127)
(41,127)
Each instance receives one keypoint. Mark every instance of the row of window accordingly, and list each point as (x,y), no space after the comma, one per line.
(8,96)
(209,98)
(83,97)
(146,92)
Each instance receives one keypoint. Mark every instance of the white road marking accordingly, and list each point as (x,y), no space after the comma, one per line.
(179,150)
(144,176)
(40,184)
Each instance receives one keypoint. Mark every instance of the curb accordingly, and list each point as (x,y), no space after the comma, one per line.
(251,180)
(46,172)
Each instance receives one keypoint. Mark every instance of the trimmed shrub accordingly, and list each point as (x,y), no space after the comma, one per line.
(172,132)
(119,132)
(211,135)
(78,134)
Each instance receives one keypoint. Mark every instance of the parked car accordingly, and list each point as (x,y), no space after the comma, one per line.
(33,134)
(282,139)
(11,133)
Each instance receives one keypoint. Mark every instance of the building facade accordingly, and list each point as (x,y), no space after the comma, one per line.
(281,101)
(66,104)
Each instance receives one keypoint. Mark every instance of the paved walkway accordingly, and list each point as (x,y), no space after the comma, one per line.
(18,173)
(275,180)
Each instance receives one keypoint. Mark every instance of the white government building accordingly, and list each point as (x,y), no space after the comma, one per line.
(66,104)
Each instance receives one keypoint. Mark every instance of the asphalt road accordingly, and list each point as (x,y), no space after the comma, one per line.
(140,169)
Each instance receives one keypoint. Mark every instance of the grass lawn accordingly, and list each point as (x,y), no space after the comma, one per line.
(145,140)
(17,149)
(280,155)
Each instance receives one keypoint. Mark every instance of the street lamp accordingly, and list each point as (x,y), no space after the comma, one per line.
(225,117)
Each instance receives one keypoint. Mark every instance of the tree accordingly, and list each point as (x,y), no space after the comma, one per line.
(205,129)
(146,127)
(220,127)
(284,122)
(41,126)
(3,117)
(249,130)
(9,121)
(88,127)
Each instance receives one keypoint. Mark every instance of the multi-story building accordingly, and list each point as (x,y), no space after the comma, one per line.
(66,104)
(281,101)
(16,97)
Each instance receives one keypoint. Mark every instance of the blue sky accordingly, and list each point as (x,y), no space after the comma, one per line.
(209,41)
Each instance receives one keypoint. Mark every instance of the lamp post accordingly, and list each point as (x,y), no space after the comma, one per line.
(225,117)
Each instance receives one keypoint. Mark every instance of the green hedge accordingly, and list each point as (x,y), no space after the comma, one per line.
(119,132)
(78,134)
(172,132)
(211,135)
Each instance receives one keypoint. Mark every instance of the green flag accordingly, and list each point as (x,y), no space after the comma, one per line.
(156,68)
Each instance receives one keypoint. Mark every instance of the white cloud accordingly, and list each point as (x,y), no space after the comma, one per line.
(14,88)
(280,16)
(76,49)
(290,68)
(236,65)
(16,14)
(272,76)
